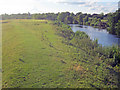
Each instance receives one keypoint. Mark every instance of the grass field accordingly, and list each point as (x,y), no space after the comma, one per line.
(104,20)
(34,56)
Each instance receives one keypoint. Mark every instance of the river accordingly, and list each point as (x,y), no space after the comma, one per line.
(104,38)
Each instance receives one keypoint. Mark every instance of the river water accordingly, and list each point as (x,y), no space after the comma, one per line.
(104,38)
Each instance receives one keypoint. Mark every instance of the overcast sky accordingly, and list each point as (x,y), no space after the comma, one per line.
(44,6)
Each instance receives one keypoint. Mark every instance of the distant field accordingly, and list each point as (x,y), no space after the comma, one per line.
(34,56)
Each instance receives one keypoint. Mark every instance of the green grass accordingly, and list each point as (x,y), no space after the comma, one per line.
(104,20)
(34,55)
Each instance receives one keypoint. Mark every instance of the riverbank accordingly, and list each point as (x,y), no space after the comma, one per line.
(46,54)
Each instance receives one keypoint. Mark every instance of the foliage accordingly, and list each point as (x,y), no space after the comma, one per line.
(79,34)
(113,22)
(113,52)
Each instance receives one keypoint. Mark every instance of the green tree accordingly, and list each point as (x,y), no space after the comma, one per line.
(111,23)
(68,20)
(61,16)
(118,28)
(85,20)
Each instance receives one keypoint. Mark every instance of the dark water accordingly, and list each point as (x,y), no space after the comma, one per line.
(104,38)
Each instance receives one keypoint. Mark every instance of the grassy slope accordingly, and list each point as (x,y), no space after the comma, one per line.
(34,56)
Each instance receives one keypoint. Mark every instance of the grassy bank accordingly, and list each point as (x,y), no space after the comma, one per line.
(41,53)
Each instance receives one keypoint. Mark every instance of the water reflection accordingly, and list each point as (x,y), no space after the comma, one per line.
(104,38)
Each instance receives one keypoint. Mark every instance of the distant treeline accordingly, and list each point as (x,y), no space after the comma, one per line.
(110,21)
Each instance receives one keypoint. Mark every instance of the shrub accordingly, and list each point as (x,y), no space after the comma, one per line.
(80,34)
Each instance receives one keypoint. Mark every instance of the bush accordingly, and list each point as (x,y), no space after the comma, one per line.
(81,35)
(113,52)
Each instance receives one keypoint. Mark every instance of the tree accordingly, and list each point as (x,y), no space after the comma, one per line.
(112,25)
(118,28)
(80,19)
(62,16)
(85,20)
(68,20)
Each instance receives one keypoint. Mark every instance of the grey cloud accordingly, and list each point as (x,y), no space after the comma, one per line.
(94,6)
(85,4)
(74,3)
(88,5)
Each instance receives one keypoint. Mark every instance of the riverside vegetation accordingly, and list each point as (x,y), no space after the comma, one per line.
(47,54)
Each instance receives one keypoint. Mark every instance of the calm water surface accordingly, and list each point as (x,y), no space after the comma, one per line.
(104,38)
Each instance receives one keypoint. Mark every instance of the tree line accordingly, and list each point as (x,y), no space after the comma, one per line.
(110,21)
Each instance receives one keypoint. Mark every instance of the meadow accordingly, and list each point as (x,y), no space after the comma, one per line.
(44,54)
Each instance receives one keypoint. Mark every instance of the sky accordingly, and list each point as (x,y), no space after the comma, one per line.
(55,6)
